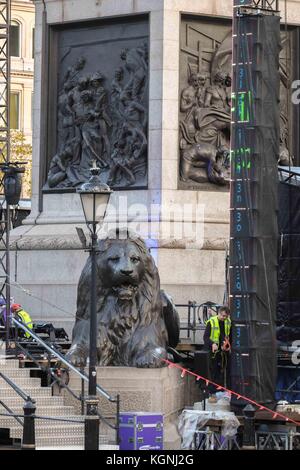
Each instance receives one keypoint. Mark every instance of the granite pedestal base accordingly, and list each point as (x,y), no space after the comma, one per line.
(148,390)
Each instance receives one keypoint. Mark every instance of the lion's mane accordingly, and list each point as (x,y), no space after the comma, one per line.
(130,333)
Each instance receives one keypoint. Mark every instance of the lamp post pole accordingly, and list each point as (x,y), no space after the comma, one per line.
(7,289)
(92,419)
(94,198)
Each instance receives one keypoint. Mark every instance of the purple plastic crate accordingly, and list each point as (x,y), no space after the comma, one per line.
(141,431)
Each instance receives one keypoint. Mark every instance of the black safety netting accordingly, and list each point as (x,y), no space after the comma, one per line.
(254,207)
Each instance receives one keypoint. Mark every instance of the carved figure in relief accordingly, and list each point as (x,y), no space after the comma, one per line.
(132,111)
(120,165)
(136,140)
(116,91)
(78,111)
(202,163)
(117,86)
(73,71)
(59,166)
(100,106)
(212,127)
(188,105)
(216,95)
(136,63)
(91,139)
(201,89)
(189,95)
(65,113)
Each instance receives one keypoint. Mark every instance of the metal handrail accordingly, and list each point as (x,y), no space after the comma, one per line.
(83,376)
(45,369)
(11,413)
(194,321)
(53,351)
(289,174)
(44,418)
(17,389)
(63,385)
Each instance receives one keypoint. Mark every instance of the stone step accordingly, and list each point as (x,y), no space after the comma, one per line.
(65,442)
(51,430)
(40,401)
(49,434)
(10,422)
(67,447)
(21,382)
(65,411)
(11,373)
(71,447)
(31,391)
(8,364)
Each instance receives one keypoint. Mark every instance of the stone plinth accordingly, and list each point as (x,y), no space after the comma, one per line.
(150,390)
(48,258)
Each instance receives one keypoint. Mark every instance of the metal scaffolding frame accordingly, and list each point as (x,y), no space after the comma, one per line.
(272,5)
(258,5)
(277,440)
(5,18)
(210,439)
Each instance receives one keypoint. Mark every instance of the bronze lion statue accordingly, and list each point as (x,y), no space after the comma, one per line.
(137,321)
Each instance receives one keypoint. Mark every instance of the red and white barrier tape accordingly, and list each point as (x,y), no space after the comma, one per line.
(198,377)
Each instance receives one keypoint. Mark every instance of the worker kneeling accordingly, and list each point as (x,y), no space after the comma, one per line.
(23,317)
(217,339)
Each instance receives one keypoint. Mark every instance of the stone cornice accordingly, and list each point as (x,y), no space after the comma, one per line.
(22,6)
(46,243)
(70,242)
(22,74)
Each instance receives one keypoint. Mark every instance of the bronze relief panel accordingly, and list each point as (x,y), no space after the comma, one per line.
(205,103)
(99,84)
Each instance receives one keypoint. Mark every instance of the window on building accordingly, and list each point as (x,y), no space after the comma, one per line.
(14,39)
(14,110)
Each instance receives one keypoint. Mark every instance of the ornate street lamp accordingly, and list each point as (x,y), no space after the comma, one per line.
(12,185)
(12,182)
(95,197)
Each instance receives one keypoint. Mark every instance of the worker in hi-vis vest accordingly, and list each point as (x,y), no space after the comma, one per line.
(217,340)
(21,315)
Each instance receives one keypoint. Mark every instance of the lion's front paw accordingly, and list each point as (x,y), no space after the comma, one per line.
(77,357)
(151,359)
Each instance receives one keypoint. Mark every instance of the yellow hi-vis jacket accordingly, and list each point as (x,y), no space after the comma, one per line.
(215,328)
(26,319)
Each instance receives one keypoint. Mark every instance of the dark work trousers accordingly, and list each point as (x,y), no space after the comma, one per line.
(219,370)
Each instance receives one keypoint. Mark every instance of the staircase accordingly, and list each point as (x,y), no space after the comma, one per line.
(49,434)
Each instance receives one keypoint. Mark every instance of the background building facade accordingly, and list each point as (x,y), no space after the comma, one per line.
(22,66)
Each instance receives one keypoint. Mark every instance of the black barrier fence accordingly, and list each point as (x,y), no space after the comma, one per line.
(288,307)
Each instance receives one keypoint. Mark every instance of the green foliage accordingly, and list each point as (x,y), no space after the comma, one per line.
(21,151)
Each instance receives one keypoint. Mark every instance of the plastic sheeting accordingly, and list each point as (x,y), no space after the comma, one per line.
(192,420)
